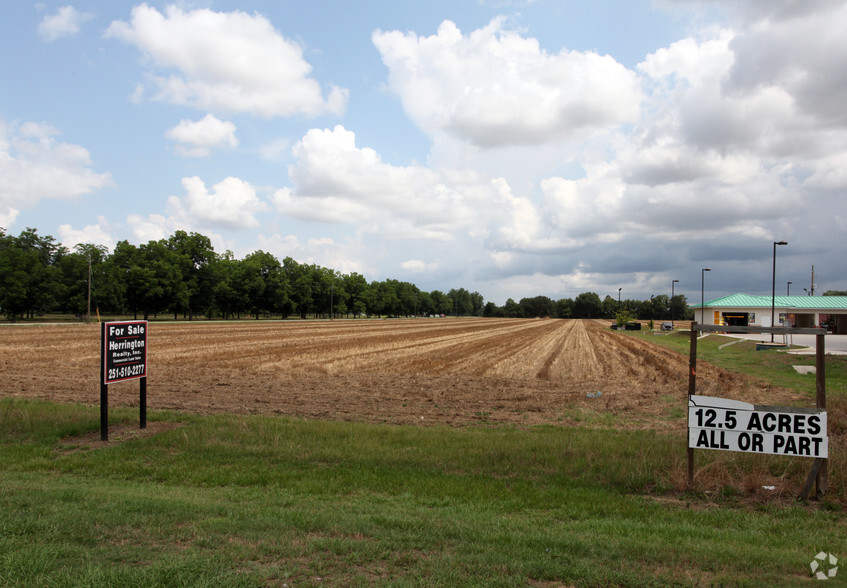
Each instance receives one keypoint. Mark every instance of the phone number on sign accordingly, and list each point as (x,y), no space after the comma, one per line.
(126,371)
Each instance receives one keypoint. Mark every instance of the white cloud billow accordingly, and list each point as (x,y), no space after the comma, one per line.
(495,88)
(226,62)
(419,266)
(66,22)
(34,166)
(198,138)
(336,181)
(98,234)
(231,204)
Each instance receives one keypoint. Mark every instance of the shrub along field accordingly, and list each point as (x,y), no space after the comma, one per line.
(525,477)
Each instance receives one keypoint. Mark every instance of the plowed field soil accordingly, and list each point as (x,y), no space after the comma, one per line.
(423,371)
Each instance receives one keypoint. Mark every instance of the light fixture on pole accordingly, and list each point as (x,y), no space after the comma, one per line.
(702,300)
(773,290)
(619,298)
(672,285)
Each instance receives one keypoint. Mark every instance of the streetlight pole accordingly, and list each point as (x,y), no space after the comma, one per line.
(773,289)
(702,300)
(619,299)
(673,283)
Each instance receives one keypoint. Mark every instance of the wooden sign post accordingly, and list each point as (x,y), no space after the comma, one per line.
(732,425)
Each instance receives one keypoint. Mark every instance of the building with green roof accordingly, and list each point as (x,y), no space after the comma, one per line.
(746,310)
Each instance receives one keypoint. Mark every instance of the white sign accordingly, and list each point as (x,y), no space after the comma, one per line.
(731,425)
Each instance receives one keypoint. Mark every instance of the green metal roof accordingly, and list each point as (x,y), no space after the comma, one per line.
(799,302)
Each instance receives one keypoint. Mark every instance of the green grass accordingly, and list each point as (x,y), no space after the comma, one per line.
(773,367)
(255,501)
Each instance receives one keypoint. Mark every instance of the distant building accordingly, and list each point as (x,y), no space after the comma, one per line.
(745,310)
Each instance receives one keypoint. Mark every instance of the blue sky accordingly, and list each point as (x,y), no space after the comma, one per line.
(514,148)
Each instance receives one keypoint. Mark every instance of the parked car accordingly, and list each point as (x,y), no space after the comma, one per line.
(666,326)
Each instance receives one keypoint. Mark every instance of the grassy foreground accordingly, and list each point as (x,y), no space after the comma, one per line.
(268,501)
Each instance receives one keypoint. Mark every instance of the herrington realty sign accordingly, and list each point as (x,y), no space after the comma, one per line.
(124,351)
(732,425)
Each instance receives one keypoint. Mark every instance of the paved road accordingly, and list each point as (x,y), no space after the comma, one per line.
(835,344)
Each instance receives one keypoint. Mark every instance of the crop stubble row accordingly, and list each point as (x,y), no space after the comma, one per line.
(424,370)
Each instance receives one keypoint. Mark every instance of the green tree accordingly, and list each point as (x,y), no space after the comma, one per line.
(538,306)
(195,256)
(266,288)
(229,297)
(587,305)
(623,317)
(78,281)
(564,308)
(610,307)
(679,308)
(30,273)
(355,286)
(441,303)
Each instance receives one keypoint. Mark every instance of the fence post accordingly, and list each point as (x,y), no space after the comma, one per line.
(820,401)
(692,388)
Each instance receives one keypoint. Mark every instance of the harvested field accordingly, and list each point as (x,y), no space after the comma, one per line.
(423,371)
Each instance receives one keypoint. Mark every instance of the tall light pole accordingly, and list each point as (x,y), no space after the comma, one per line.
(773,290)
(788,288)
(619,298)
(702,300)
(673,283)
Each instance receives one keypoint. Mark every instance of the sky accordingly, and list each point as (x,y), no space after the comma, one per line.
(515,148)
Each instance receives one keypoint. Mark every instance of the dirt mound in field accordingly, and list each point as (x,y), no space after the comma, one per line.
(424,371)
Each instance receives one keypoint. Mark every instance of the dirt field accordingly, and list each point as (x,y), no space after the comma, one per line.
(423,371)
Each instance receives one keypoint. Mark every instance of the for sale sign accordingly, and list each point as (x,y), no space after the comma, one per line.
(124,348)
(731,425)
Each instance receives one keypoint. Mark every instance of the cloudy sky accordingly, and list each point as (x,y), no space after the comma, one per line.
(512,147)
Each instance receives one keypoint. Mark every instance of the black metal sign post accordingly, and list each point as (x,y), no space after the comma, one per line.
(123,352)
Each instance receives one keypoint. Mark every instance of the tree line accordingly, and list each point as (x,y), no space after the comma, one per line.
(183,276)
(589,305)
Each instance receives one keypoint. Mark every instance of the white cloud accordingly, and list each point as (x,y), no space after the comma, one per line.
(153,228)
(336,181)
(65,22)
(347,257)
(225,62)
(419,266)
(34,166)
(197,139)
(98,234)
(231,204)
(495,88)
(803,56)
(8,216)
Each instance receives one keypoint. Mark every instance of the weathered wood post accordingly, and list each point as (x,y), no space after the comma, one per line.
(692,389)
(820,401)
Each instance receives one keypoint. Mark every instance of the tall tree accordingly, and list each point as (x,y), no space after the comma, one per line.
(29,273)
(538,306)
(587,305)
(195,256)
